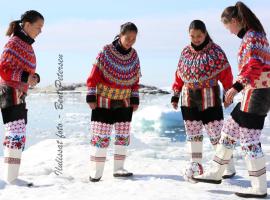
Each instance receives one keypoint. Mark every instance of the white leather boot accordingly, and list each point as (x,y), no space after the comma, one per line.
(12,161)
(98,158)
(230,169)
(257,173)
(119,161)
(218,165)
(195,151)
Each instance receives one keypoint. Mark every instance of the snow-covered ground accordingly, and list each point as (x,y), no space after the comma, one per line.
(157,157)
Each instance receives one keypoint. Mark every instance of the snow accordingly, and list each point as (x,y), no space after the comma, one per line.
(157,176)
(156,160)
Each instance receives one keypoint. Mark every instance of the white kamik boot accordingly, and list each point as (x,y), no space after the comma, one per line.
(12,161)
(195,151)
(257,173)
(98,158)
(230,169)
(119,160)
(218,165)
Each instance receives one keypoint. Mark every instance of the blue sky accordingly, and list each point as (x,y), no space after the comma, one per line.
(78,30)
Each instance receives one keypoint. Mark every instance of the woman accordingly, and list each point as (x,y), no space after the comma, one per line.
(17,73)
(202,64)
(247,118)
(113,95)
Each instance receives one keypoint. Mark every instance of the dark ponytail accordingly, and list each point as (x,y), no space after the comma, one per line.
(199,25)
(243,15)
(30,16)
(127,27)
(14,26)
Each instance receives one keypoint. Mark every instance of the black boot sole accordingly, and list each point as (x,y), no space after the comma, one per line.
(123,175)
(228,176)
(30,185)
(207,181)
(94,179)
(261,196)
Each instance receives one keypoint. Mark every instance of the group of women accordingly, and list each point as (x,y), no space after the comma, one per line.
(113,96)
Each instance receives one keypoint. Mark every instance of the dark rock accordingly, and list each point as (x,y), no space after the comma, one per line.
(81,87)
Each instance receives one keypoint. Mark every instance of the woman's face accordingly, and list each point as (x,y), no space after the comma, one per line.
(197,37)
(33,29)
(233,26)
(128,39)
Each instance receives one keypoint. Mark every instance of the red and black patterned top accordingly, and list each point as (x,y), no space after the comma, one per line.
(253,61)
(115,75)
(202,69)
(17,62)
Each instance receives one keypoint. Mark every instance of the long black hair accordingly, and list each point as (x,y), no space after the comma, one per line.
(243,15)
(126,27)
(199,25)
(30,16)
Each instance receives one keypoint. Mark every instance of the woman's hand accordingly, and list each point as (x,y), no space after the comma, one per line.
(230,94)
(175,105)
(32,80)
(92,105)
(226,105)
(135,107)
